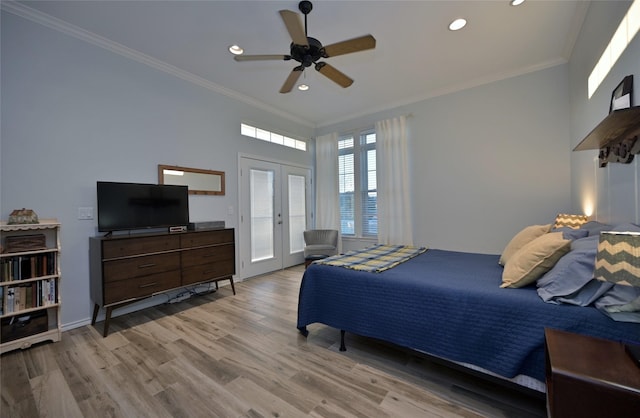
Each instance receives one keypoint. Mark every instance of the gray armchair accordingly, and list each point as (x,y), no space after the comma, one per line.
(320,242)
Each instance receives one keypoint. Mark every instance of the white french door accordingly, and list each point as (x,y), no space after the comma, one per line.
(274,211)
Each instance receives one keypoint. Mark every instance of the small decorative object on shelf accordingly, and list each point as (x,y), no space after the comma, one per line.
(29,284)
(623,151)
(22,216)
(25,243)
(622,95)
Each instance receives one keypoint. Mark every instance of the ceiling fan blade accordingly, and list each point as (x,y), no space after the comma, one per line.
(292,79)
(352,45)
(293,22)
(261,57)
(333,74)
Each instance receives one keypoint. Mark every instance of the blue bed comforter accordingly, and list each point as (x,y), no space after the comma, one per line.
(449,304)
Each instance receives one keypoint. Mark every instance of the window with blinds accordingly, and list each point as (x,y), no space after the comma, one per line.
(358,184)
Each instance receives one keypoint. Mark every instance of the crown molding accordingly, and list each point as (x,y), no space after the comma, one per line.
(446,90)
(77,32)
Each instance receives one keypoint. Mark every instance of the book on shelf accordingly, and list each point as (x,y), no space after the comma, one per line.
(31,295)
(10,297)
(27,267)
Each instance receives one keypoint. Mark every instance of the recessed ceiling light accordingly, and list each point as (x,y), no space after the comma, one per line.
(457,24)
(516,2)
(236,50)
(303,87)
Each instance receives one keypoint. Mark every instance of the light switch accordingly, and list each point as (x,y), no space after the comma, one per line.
(230,210)
(85,213)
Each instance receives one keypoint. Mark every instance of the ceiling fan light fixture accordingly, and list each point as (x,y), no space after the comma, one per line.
(309,51)
(457,24)
(236,50)
(516,2)
(303,87)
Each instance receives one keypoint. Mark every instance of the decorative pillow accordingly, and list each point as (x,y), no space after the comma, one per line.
(595,227)
(522,238)
(572,221)
(628,227)
(570,233)
(620,303)
(572,272)
(534,259)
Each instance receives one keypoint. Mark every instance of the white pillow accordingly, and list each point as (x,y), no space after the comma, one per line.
(522,238)
(533,260)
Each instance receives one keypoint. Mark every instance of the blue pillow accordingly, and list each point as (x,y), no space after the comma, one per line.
(626,227)
(595,227)
(571,233)
(616,297)
(572,272)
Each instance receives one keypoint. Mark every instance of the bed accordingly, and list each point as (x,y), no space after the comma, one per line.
(450,305)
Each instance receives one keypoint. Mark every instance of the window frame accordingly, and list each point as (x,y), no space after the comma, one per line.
(361,184)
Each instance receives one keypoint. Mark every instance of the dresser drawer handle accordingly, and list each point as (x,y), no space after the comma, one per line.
(144,266)
(148,285)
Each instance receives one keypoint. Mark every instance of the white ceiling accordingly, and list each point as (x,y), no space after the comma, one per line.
(416,56)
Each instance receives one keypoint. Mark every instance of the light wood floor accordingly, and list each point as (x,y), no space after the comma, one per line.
(220,355)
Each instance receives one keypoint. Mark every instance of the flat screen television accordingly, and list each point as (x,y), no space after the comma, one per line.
(128,206)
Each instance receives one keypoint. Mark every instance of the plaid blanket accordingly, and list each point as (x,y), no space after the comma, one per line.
(374,259)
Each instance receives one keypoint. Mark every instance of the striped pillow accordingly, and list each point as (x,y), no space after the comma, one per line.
(571,221)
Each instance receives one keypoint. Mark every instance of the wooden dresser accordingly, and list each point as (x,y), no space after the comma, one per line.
(127,268)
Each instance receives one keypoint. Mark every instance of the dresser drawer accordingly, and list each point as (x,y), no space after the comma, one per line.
(145,245)
(208,255)
(140,287)
(117,270)
(205,272)
(198,239)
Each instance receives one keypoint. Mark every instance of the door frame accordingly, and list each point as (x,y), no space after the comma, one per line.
(244,250)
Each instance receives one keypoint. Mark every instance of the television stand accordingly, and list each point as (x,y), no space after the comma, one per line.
(127,268)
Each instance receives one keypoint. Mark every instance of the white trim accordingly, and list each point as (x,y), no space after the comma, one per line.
(446,90)
(51,22)
(75,324)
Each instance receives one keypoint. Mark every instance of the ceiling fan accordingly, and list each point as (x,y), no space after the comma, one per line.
(307,50)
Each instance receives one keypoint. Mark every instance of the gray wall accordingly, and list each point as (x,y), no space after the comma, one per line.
(73,113)
(613,190)
(487,161)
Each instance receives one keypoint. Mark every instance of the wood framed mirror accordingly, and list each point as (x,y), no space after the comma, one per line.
(199,181)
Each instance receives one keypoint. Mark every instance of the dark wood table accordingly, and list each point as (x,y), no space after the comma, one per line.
(590,377)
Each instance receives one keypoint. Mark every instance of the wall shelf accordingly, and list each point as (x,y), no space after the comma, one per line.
(617,126)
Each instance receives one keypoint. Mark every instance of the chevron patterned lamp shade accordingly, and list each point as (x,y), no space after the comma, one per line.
(570,220)
(618,259)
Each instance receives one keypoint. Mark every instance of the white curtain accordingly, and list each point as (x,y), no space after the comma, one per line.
(392,172)
(327,191)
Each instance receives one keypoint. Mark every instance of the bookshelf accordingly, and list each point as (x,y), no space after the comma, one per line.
(29,284)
